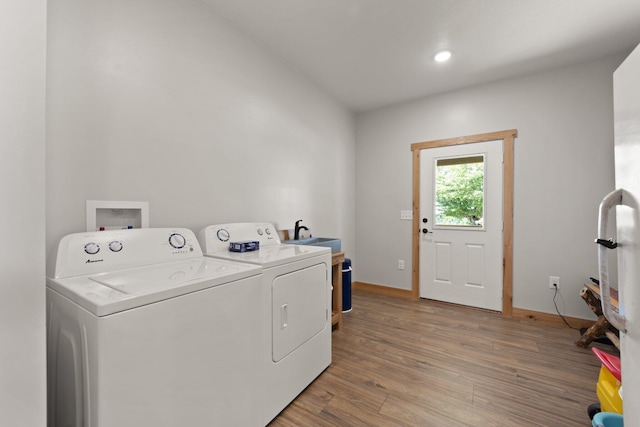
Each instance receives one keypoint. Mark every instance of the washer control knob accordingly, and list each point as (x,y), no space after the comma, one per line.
(177,241)
(92,248)
(268,231)
(223,235)
(115,246)
(259,231)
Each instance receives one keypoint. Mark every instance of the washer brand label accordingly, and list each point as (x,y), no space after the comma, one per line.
(90,261)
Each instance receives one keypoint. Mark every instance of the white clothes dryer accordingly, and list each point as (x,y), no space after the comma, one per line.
(297,294)
(142,330)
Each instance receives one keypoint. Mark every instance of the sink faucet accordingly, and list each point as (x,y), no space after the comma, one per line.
(296,233)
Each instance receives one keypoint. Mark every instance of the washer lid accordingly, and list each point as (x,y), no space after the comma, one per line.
(274,255)
(108,293)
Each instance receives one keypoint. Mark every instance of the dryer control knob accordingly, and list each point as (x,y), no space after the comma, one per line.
(92,248)
(177,240)
(115,246)
(223,235)
(267,230)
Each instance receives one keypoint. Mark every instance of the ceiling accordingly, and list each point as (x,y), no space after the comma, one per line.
(373,53)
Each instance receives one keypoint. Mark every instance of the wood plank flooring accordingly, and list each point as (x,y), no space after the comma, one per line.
(400,362)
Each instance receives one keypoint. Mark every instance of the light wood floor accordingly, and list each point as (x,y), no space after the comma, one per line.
(400,362)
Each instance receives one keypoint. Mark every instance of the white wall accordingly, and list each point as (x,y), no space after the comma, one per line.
(163,101)
(22,149)
(563,168)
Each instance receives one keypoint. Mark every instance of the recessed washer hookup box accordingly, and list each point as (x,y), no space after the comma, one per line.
(246,246)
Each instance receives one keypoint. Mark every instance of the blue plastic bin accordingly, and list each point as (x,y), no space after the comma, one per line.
(346,285)
(607,419)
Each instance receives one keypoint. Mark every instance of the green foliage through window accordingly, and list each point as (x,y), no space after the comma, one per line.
(460,191)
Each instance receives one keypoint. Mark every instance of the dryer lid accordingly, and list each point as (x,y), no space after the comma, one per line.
(274,255)
(108,293)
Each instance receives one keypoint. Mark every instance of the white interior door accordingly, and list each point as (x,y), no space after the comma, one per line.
(626,96)
(461,224)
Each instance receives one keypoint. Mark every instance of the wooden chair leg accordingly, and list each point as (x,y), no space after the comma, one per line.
(596,330)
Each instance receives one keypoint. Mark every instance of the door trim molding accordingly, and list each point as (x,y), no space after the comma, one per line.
(507,137)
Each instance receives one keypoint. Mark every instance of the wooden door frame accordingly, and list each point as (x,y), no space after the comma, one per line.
(507,137)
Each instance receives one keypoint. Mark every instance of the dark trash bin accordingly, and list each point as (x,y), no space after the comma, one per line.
(346,285)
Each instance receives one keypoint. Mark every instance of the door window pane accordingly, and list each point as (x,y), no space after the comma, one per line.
(459,191)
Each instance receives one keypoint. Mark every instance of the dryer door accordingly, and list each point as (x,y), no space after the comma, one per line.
(299,308)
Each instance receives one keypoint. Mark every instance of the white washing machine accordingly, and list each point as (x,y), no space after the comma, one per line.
(297,293)
(142,330)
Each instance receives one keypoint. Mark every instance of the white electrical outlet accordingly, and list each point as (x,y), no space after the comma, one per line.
(400,264)
(554,282)
(406,215)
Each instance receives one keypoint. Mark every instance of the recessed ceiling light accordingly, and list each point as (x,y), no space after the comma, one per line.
(442,56)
